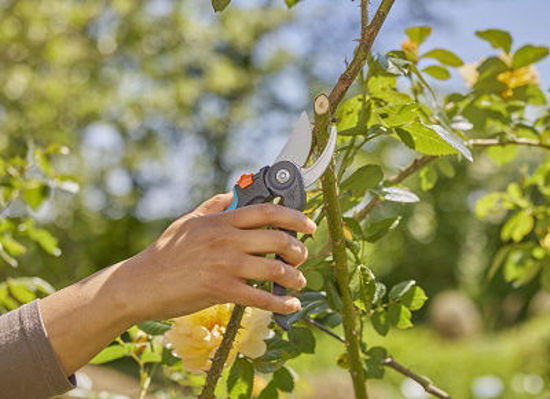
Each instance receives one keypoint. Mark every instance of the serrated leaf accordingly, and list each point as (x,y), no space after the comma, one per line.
(109,354)
(518,226)
(364,178)
(302,338)
(12,246)
(20,292)
(398,194)
(399,316)
(428,178)
(220,5)
(154,327)
(497,38)
(375,361)
(376,230)
(283,380)
(414,298)
(401,289)
(487,204)
(397,114)
(35,193)
(240,379)
(43,238)
(454,141)
(528,55)
(437,72)
(444,56)
(424,140)
(380,322)
(418,34)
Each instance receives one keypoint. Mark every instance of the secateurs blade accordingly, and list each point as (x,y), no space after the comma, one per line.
(287,178)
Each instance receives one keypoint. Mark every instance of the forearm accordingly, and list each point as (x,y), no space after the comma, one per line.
(82,319)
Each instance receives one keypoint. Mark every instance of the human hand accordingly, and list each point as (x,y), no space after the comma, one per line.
(206,257)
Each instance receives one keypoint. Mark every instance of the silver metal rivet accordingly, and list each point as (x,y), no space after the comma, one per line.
(282,176)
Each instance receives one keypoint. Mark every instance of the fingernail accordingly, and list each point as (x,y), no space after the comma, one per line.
(303,281)
(312,226)
(294,304)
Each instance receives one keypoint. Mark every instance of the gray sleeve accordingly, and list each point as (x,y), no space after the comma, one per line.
(29,367)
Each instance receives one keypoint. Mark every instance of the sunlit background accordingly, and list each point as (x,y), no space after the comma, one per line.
(163,103)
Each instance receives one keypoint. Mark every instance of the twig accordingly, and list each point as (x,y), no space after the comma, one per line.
(338,243)
(368,34)
(415,166)
(221,354)
(423,381)
(419,163)
(389,362)
(504,142)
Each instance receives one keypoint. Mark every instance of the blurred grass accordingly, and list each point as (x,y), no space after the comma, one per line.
(452,365)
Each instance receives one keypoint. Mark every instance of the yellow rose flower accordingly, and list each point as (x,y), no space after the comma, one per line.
(410,46)
(196,337)
(469,73)
(512,78)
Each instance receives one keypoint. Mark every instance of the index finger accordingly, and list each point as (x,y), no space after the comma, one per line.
(262,215)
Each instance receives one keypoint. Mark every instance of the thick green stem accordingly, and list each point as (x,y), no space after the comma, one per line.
(334,220)
(222,353)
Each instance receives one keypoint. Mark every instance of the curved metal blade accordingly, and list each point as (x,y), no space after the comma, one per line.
(314,172)
(298,144)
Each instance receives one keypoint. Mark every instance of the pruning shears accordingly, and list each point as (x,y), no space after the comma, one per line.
(288,179)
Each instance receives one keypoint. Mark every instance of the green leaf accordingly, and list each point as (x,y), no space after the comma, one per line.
(518,226)
(520,267)
(401,289)
(497,38)
(14,247)
(528,55)
(355,228)
(488,204)
(444,56)
(398,114)
(380,322)
(364,178)
(398,194)
(283,379)
(502,155)
(349,114)
(428,178)
(418,34)
(363,287)
(154,327)
(43,238)
(414,298)
(424,140)
(291,3)
(20,292)
(437,72)
(152,354)
(302,338)
(315,280)
(375,362)
(35,193)
(109,354)
(219,5)
(240,379)
(399,316)
(376,230)
(269,392)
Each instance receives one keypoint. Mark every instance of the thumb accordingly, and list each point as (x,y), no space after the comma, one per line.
(217,203)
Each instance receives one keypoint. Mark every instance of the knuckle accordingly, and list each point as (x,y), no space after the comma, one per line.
(284,240)
(278,270)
